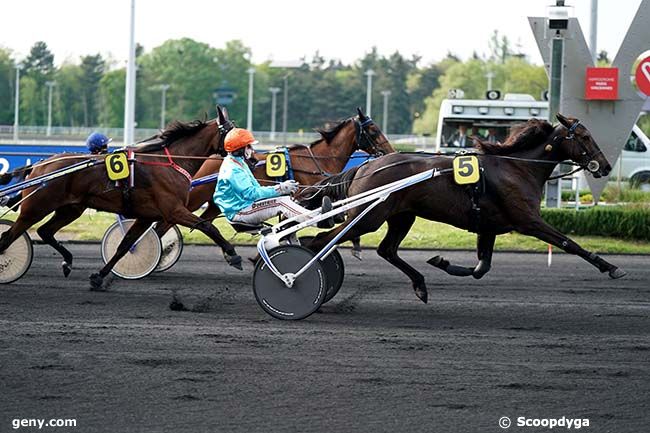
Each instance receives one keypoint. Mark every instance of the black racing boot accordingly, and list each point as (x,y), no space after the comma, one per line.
(326,206)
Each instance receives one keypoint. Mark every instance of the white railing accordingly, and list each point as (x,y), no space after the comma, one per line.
(71,134)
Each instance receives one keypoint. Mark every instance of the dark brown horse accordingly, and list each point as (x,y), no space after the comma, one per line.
(160,191)
(312,163)
(514,176)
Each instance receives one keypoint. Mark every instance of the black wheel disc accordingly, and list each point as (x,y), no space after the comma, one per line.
(334,269)
(303,298)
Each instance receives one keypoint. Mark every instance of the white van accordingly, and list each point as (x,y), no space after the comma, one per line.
(495,117)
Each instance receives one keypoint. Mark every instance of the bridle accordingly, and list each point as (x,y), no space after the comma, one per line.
(223,128)
(588,162)
(363,138)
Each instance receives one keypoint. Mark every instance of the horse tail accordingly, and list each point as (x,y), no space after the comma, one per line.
(335,187)
(20,174)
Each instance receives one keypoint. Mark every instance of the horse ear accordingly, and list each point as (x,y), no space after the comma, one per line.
(563,120)
(220,115)
(362,116)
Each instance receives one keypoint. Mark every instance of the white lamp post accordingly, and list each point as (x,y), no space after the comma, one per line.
(129,99)
(50,85)
(17,102)
(249,113)
(384,126)
(163,104)
(274,93)
(285,102)
(369,73)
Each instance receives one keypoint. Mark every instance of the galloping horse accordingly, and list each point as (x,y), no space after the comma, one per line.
(310,164)
(514,174)
(160,191)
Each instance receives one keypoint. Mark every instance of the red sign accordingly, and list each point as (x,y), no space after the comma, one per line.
(642,76)
(601,83)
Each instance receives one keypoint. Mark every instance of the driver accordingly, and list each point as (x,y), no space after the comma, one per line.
(240,196)
(97,143)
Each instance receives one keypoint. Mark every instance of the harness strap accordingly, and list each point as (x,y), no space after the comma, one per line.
(320,169)
(287,158)
(170,163)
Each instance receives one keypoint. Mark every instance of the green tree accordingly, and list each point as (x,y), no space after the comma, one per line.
(515,75)
(111,98)
(190,68)
(67,105)
(7,80)
(38,68)
(92,70)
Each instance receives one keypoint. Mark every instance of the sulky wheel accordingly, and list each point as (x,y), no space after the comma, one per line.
(289,303)
(16,259)
(143,257)
(172,248)
(334,269)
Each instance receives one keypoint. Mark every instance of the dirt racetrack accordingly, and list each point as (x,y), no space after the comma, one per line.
(525,341)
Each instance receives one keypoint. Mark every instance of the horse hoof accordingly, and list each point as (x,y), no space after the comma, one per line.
(67,268)
(617,273)
(357,255)
(421,293)
(234,261)
(96,282)
(439,262)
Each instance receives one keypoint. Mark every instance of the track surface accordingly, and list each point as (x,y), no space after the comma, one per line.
(524,341)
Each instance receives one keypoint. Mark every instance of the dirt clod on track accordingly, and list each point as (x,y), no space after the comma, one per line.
(525,341)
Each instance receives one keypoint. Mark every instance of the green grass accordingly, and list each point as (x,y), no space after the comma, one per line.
(424,234)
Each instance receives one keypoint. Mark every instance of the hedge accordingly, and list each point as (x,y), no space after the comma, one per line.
(613,221)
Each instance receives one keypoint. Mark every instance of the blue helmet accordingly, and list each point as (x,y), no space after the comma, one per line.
(97,142)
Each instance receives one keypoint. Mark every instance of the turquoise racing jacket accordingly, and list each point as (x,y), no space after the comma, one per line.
(237,188)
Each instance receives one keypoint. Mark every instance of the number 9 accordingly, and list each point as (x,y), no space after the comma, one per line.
(276,162)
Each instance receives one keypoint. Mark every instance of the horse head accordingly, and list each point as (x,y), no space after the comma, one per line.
(369,136)
(578,145)
(224,124)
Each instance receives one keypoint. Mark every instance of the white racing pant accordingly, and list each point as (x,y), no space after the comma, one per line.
(263,210)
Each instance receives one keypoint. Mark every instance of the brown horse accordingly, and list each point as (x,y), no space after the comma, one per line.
(310,164)
(160,191)
(513,180)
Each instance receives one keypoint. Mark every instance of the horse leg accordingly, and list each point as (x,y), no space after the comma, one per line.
(211,212)
(398,227)
(484,249)
(23,222)
(187,219)
(356,248)
(62,217)
(132,235)
(543,231)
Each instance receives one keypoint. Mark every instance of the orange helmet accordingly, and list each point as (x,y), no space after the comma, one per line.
(238,138)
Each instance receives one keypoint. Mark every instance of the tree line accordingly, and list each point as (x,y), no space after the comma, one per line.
(90,93)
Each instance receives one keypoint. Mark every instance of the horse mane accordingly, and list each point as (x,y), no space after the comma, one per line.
(526,135)
(328,134)
(172,133)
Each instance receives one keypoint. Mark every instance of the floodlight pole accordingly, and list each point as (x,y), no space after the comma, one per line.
(369,73)
(50,85)
(163,104)
(249,113)
(129,99)
(274,93)
(384,126)
(285,109)
(17,102)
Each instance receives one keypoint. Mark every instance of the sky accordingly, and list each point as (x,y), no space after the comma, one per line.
(284,30)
